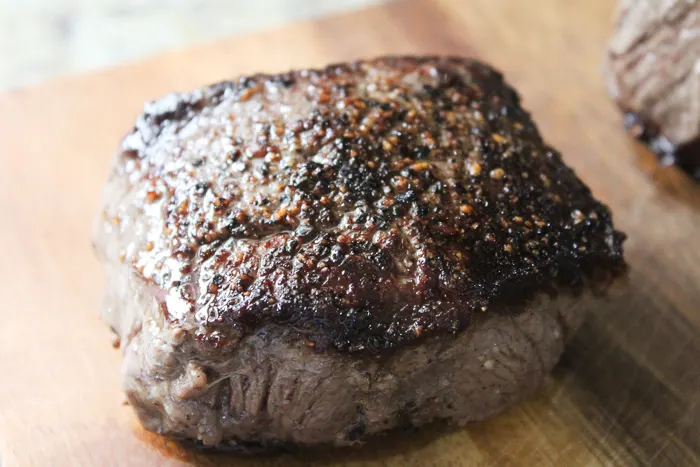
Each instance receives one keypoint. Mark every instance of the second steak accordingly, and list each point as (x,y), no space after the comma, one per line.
(653,74)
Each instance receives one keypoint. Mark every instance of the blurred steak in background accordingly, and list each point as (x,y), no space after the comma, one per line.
(653,71)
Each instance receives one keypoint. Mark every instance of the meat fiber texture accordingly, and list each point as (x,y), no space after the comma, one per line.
(322,255)
(653,68)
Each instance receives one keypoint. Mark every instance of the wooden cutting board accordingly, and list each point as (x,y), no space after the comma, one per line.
(627,391)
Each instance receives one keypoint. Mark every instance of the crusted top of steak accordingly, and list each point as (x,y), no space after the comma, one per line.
(363,205)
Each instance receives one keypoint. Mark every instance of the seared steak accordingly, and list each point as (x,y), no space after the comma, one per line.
(653,66)
(322,255)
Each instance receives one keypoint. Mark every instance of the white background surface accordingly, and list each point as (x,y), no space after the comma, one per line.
(40,39)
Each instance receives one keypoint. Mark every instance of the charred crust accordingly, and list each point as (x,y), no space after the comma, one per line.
(389,200)
(684,156)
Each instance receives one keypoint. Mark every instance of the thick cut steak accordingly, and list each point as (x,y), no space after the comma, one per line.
(654,75)
(322,255)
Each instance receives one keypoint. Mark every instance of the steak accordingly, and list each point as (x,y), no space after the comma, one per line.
(653,65)
(322,255)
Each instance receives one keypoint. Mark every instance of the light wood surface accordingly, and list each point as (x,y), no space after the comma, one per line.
(627,391)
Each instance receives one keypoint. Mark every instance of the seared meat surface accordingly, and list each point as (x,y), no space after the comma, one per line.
(320,255)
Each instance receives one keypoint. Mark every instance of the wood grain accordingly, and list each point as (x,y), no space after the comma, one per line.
(627,390)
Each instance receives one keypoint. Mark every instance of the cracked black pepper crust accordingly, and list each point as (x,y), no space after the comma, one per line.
(363,205)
